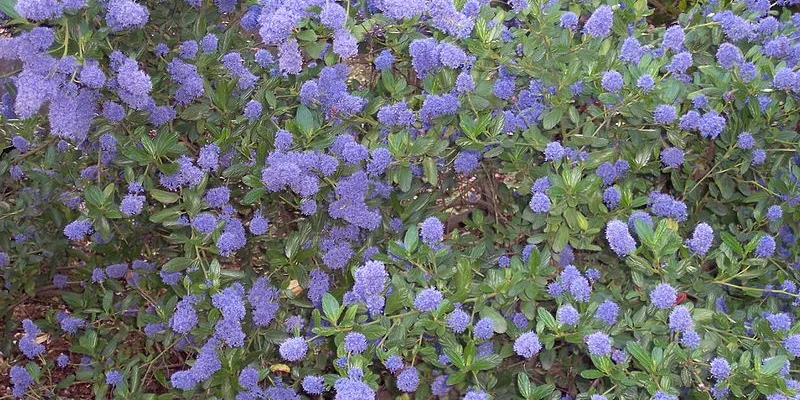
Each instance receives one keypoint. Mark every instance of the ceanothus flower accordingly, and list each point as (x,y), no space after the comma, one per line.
(539,203)
(598,343)
(568,20)
(599,24)
(672,157)
(126,14)
(645,82)
(680,320)
(293,349)
(355,342)
(607,312)
(792,345)
(774,213)
(619,238)
(611,81)
(432,231)
(766,247)
(428,300)
(701,239)
(759,156)
(567,315)
(458,320)
(527,345)
(484,328)
(664,114)
(719,368)
(408,380)
(663,296)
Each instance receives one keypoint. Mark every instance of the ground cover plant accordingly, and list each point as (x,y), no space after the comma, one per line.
(375,199)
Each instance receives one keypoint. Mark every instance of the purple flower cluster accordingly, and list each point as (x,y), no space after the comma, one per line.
(330,92)
(206,364)
(619,238)
(664,205)
(235,66)
(369,286)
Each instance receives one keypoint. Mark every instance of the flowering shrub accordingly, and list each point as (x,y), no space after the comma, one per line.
(423,198)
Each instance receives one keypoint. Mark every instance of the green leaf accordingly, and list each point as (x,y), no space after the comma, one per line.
(331,308)
(254,195)
(7,7)
(591,374)
(544,316)
(305,120)
(412,239)
(524,385)
(774,365)
(486,363)
(163,196)
(431,172)
(94,196)
(177,264)
(641,356)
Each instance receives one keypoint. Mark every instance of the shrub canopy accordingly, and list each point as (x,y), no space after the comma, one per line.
(372,198)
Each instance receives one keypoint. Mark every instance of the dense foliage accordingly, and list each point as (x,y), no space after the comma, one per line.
(418,198)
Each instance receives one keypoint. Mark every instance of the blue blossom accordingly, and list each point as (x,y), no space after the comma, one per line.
(680,320)
(539,203)
(439,386)
(599,24)
(611,197)
(567,315)
(458,320)
(664,114)
(663,296)
(125,14)
(293,349)
(792,345)
(673,38)
(313,384)
(21,380)
(672,157)
(659,395)
(774,213)
(114,377)
(554,151)
(766,247)
(428,300)
(701,239)
(408,380)
(619,239)
(728,56)
(384,60)
(568,20)
(77,230)
(779,321)
(393,363)
(252,110)
(631,51)
(645,82)
(352,388)
(527,345)
(355,342)
(484,328)
(466,161)
(432,231)
(719,368)
(27,342)
(607,312)
(745,141)
(598,343)
(759,156)
(612,80)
